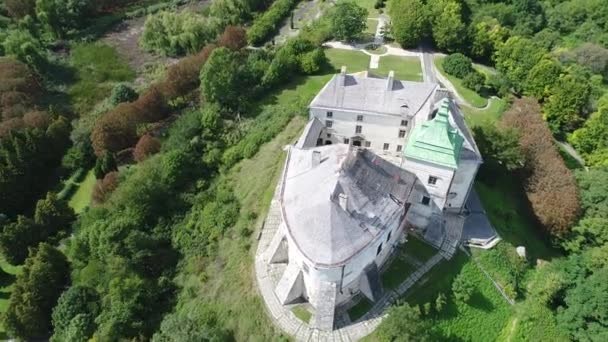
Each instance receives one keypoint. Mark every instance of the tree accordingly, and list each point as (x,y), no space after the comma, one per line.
(104,187)
(584,315)
(409,22)
(593,136)
(122,93)
(20,8)
(565,107)
(486,37)
(549,184)
(269,21)
(234,38)
(35,292)
(53,214)
(146,146)
(542,78)
(462,288)
(515,58)
(403,324)
(474,80)
(200,326)
(59,16)
(587,233)
(75,313)
(184,76)
(593,186)
(594,57)
(348,20)
(105,164)
(37,119)
(457,65)
(24,47)
(440,302)
(222,80)
(499,146)
(449,31)
(15,239)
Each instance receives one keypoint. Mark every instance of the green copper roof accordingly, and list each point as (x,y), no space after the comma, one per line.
(436,141)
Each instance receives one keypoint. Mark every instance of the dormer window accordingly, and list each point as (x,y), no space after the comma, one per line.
(432,180)
(403,123)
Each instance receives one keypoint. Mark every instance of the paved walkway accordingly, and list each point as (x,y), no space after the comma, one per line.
(268,275)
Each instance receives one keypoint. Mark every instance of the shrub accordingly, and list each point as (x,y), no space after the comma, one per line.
(104,187)
(122,93)
(457,65)
(267,23)
(37,119)
(550,186)
(234,38)
(474,80)
(146,146)
(463,288)
(177,33)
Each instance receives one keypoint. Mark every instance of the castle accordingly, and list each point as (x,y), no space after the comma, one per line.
(378,155)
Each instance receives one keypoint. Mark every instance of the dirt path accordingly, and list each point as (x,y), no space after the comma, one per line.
(125,38)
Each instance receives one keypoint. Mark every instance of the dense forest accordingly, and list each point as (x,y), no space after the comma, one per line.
(168,234)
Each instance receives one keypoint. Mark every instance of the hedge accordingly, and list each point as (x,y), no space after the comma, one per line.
(268,23)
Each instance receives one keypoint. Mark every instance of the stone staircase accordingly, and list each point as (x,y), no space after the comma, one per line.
(453,230)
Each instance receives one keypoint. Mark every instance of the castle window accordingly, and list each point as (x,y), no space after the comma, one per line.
(330,114)
(359,117)
(346,140)
(358,129)
(379,249)
(426,200)
(399,148)
(328,123)
(404,123)
(368,143)
(388,237)
(432,180)
(329,135)
(401,133)
(385,147)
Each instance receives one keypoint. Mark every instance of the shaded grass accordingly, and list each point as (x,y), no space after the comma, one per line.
(302,313)
(354,61)
(469,95)
(82,197)
(360,309)
(396,273)
(98,67)
(569,160)
(372,26)
(369,5)
(481,319)
(406,68)
(418,249)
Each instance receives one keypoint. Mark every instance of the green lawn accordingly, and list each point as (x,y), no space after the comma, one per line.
(481,319)
(418,249)
(475,117)
(360,309)
(469,95)
(82,197)
(302,313)
(372,26)
(97,68)
(406,68)
(396,273)
(354,61)
(369,5)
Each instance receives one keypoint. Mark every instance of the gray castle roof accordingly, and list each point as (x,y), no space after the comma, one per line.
(337,206)
(374,95)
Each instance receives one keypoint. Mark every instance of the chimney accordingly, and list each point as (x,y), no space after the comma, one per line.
(342,76)
(343,201)
(316,158)
(390,80)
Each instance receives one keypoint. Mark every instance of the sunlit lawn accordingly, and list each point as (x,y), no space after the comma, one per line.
(405,68)
(469,95)
(354,61)
(475,117)
(302,313)
(82,197)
